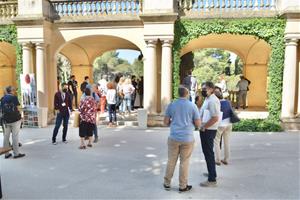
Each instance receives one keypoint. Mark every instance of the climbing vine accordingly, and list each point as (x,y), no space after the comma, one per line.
(8,33)
(270,30)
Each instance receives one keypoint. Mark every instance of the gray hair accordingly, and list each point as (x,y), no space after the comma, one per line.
(182,91)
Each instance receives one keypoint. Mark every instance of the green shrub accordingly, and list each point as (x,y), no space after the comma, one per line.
(257,125)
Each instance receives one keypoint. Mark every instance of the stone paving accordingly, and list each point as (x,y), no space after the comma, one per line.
(129,163)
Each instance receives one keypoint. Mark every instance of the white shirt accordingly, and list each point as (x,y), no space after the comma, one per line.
(111,96)
(128,89)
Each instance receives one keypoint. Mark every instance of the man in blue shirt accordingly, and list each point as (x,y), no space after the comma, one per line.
(182,116)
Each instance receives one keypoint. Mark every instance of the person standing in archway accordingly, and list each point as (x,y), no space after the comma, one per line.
(243,86)
(191,83)
(84,84)
(72,84)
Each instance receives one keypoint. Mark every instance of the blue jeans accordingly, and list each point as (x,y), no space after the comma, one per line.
(207,143)
(127,103)
(96,131)
(112,112)
(59,119)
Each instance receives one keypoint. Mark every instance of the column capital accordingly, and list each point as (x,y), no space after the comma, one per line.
(167,43)
(26,45)
(40,45)
(151,43)
(291,42)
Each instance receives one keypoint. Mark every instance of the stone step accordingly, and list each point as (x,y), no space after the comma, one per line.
(292,124)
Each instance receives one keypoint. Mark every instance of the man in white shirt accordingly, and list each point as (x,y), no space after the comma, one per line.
(209,114)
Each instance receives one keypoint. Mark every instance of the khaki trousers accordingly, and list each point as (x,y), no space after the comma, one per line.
(225,132)
(184,151)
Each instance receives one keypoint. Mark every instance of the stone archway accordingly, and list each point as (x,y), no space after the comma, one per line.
(7,66)
(82,51)
(253,52)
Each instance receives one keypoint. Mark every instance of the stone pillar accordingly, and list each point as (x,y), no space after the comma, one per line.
(289,79)
(166,74)
(27,58)
(150,76)
(41,85)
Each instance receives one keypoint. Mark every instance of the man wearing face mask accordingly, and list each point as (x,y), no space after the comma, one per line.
(63,105)
(209,114)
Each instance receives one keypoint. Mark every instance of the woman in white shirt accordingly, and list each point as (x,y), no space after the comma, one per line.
(224,129)
(111,97)
(127,90)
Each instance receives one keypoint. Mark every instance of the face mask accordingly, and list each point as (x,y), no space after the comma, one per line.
(65,90)
(204,93)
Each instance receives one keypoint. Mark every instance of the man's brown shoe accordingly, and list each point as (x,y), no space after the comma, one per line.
(209,184)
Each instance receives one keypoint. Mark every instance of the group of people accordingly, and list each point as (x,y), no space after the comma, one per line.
(209,113)
(103,96)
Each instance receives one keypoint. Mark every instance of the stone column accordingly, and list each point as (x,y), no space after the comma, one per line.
(166,74)
(41,84)
(289,79)
(41,76)
(27,58)
(150,76)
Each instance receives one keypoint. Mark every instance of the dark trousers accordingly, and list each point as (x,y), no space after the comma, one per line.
(75,95)
(59,119)
(112,112)
(207,143)
(133,96)
(95,131)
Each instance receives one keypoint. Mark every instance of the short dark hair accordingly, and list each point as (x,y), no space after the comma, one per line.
(209,84)
(86,77)
(87,92)
(9,89)
(182,91)
(73,76)
(63,84)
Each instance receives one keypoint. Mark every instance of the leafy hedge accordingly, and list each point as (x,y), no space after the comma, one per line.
(8,33)
(257,125)
(270,30)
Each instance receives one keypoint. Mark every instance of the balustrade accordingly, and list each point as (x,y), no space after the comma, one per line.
(8,10)
(208,5)
(97,7)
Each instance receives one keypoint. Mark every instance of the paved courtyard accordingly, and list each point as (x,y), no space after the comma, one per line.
(129,163)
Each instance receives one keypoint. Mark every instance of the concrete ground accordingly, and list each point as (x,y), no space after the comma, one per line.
(129,163)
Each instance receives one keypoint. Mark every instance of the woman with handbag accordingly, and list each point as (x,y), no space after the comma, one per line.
(224,129)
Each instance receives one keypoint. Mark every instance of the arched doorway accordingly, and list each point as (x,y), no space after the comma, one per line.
(252,51)
(7,66)
(82,53)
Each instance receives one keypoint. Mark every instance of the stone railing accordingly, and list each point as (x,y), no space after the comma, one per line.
(223,8)
(8,10)
(79,8)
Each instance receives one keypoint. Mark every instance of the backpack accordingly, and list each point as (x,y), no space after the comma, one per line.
(10,113)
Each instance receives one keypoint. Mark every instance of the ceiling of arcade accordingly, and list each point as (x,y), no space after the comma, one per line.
(83,51)
(7,54)
(250,49)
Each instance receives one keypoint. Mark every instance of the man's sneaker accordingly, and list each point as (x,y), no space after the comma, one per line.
(7,156)
(20,155)
(187,188)
(167,187)
(65,141)
(209,184)
(54,143)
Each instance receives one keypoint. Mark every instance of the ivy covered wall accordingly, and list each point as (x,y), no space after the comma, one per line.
(8,33)
(270,30)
